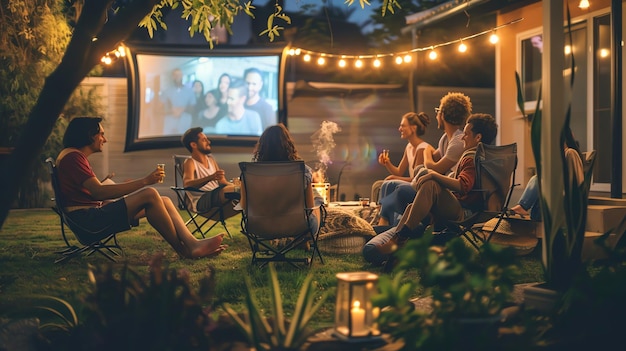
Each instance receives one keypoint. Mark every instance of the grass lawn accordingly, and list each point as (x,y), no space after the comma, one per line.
(29,239)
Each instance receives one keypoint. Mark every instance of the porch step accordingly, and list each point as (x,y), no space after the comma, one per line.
(603,218)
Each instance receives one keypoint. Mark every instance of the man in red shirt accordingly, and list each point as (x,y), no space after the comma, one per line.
(110,208)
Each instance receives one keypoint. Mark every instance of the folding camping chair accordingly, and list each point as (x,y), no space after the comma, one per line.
(275,210)
(495,181)
(105,243)
(196,220)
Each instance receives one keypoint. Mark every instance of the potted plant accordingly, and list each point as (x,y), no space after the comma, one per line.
(469,289)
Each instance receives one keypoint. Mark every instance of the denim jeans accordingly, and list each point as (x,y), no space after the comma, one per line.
(530,199)
(394,204)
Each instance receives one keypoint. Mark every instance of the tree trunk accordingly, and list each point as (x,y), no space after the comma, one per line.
(94,35)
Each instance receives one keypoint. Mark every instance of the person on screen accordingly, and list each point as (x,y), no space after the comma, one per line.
(221,93)
(198,93)
(208,117)
(255,102)
(239,120)
(112,208)
(178,100)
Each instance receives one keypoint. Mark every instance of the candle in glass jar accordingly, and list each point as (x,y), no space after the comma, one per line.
(357,315)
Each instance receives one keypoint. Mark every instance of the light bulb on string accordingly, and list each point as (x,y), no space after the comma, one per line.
(407,58)
(583,4)
(493,38)
(342,63)
(307,58)
(432,54)
(298,51)
(398,60)
(462,47)
(321,61)
(376,63)
(358,63)
(292,52)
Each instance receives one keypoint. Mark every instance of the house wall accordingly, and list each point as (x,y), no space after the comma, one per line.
(368,121)
(513,127)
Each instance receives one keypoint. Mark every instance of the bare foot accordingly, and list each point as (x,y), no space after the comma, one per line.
(519,210)
(208,247)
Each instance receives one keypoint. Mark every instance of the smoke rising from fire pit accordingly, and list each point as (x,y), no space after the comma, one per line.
(323,144)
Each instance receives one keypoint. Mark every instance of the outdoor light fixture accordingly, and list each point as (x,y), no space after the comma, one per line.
(342,63)
(355,317)
(493,38)
(583,4)
(432,54)
(462,47)
(399,57)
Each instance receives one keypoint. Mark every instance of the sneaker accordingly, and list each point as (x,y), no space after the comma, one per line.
(408,233)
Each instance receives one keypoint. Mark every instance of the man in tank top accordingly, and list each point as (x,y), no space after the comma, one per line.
(201,171)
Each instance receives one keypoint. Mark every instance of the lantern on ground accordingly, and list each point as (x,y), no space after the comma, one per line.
(355,317)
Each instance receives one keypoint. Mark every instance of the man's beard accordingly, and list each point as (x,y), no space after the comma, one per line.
(206,151)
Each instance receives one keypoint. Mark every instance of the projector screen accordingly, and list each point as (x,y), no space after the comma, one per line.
(232,94)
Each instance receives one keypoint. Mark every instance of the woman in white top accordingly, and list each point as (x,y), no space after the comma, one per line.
(412,127)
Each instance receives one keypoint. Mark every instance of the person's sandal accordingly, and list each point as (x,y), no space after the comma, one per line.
(511,213)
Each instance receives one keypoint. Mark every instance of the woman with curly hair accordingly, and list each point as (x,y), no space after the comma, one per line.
(276,144)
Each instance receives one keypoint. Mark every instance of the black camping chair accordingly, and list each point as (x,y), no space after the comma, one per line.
(196,221)
(104,243)
(275,218)
(495,181)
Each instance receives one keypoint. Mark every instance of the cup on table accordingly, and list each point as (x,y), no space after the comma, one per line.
(365,201)
(162,167)
(237,183)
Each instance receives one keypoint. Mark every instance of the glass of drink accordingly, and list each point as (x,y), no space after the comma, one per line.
(162,167)
(237,183)
(365,201)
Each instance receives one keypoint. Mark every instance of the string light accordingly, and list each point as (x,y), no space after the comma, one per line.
(398,57)
(111,56)
(462,47)
(583,4)
(432,54)
(493,38)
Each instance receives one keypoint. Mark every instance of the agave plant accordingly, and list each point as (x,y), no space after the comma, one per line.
(275,332)
(564,236)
